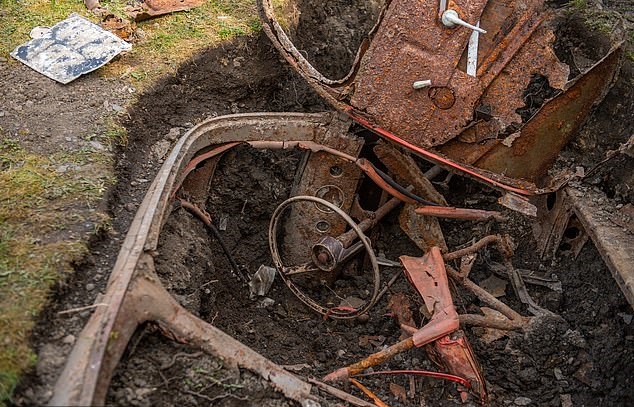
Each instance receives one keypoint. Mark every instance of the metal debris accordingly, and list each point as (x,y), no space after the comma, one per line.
(154,8)
(614,243)
(427,275)
(460,213)
(71,48)
(460,121)
(261,281)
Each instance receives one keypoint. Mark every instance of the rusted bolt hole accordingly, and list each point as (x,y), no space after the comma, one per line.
(330,193)
(336,171)
(322,226)
(442,97)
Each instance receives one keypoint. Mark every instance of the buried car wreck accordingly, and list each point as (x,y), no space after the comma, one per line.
(424,86)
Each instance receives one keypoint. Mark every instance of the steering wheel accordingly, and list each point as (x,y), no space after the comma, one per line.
(288,273)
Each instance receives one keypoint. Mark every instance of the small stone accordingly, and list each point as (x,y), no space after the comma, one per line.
(580,172)
(566,400)
(575,338)
(140,382)
(69,339)
(267,302)
(29,103)
(160,149)
(363,318)
(3,60)
(90,286)
(143,392)
(558,374)
(174,134)
(2,113)
(69,139)
(341,352)
(310,403)
(62,169)
(117,108)
(140,34)
(130,207)
(96,145)
(522,401)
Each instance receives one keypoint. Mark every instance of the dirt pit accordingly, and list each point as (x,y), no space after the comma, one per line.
(552,362)
(582,358)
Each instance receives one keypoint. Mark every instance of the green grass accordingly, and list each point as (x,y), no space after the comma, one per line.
(36,200)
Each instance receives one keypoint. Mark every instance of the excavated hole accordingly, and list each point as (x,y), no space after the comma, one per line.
(248,185)
(577,359)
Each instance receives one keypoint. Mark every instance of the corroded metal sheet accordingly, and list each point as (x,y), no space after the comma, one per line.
(155,8)
(328,177)
(506,93)
(531,154)
(614,243)
(412,45)
(71,48)
(455,120)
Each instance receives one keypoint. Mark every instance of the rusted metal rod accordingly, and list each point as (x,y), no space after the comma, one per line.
(349,237)
(486,322)
(372,360)
(485,241)
(355,401)
(369,393)
(483,294)
(460,213)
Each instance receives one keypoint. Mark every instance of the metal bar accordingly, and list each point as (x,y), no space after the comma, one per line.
(460,213)
(615,244)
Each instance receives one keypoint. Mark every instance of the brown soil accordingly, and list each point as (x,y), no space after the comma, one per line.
(585,356)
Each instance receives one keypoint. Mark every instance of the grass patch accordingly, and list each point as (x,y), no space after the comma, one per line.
(115,134)
(40,196)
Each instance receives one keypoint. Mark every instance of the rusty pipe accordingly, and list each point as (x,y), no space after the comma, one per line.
(348,237)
